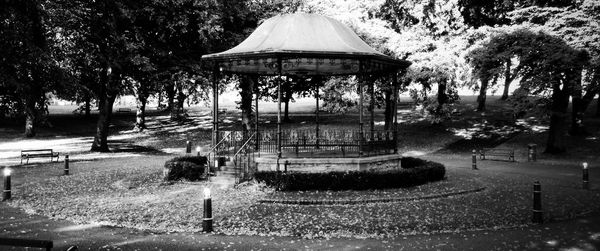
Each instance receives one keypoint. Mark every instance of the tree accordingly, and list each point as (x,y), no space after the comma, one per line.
(550,69)
(577,26)
(27,69)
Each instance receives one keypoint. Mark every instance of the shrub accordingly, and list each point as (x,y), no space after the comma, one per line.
(410,162)
(185,167)
(354,180)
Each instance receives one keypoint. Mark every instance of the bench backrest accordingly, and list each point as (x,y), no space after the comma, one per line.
(36,150)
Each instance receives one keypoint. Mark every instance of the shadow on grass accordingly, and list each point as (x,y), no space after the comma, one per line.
(121,146)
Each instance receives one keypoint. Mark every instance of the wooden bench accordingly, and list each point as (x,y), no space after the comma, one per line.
(48,245)
(38,153)
(123,110)
(501,152)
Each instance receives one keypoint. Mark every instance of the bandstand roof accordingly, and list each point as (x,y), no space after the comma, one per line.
(303,44)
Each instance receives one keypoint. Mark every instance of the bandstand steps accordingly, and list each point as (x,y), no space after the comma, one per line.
(226,176)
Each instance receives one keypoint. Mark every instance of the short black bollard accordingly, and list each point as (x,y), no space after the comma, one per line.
(66,171)
(532,152)
(586,176)
(6,193)
(538,214)
(474,159)
(207,222)
(188,147)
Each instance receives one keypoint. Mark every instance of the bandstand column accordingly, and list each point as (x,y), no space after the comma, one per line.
(215,122)
(318,82)
(279,122)
(372,107)
(360,115)
(395,83)
(257,142)
(215,136)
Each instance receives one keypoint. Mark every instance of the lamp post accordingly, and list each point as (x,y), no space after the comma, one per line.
(207,222)
(586,176)
(474,160)
(66,170)
(6,194)
(537,203)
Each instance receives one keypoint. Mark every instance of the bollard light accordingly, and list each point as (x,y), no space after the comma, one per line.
(538,214)
(474,157)
(586,176)
(6,193)
(198,150)
(66,170)
(206,193)
(207,222)
(188,147)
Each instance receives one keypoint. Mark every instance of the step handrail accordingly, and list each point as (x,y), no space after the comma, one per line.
(244,145)
(221,141)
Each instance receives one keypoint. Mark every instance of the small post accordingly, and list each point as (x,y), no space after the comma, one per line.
(6,194)
(474,159)
(188,147)
(198,149)
(586,176)
(532,152)
(537,203)
(66,171)
(207,222)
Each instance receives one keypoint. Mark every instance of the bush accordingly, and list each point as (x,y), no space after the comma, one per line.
(410,162)
(354,180)
(186,167)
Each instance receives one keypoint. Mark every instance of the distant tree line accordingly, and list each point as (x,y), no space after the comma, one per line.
(92,52)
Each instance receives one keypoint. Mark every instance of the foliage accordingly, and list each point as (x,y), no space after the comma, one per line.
(186,167)
(489,13)
(355,180)
(28,69)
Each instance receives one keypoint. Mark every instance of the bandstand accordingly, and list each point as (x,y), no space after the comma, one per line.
(307,46)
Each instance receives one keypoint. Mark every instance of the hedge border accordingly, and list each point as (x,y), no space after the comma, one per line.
(414,172)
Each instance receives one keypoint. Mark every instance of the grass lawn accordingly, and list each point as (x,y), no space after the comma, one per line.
(124,187)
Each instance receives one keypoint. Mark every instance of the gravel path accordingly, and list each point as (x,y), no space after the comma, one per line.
(107,193)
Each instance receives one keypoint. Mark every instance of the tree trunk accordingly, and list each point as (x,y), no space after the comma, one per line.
(442,97)
(286,110)
(246,86)
(507,80)
(389,109)
(88,106)
(287,96)
(159,100)
(30,117)
(577,108)
(177,107)
(106,99)
(140,115)
(100,143)
(482,95)
(170,91)
(558,123)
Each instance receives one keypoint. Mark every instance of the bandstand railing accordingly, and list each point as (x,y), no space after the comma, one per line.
(244,160)
(328,143)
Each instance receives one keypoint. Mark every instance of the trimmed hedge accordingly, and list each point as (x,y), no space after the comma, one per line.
(355,180)
(410,162)
(185,167)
